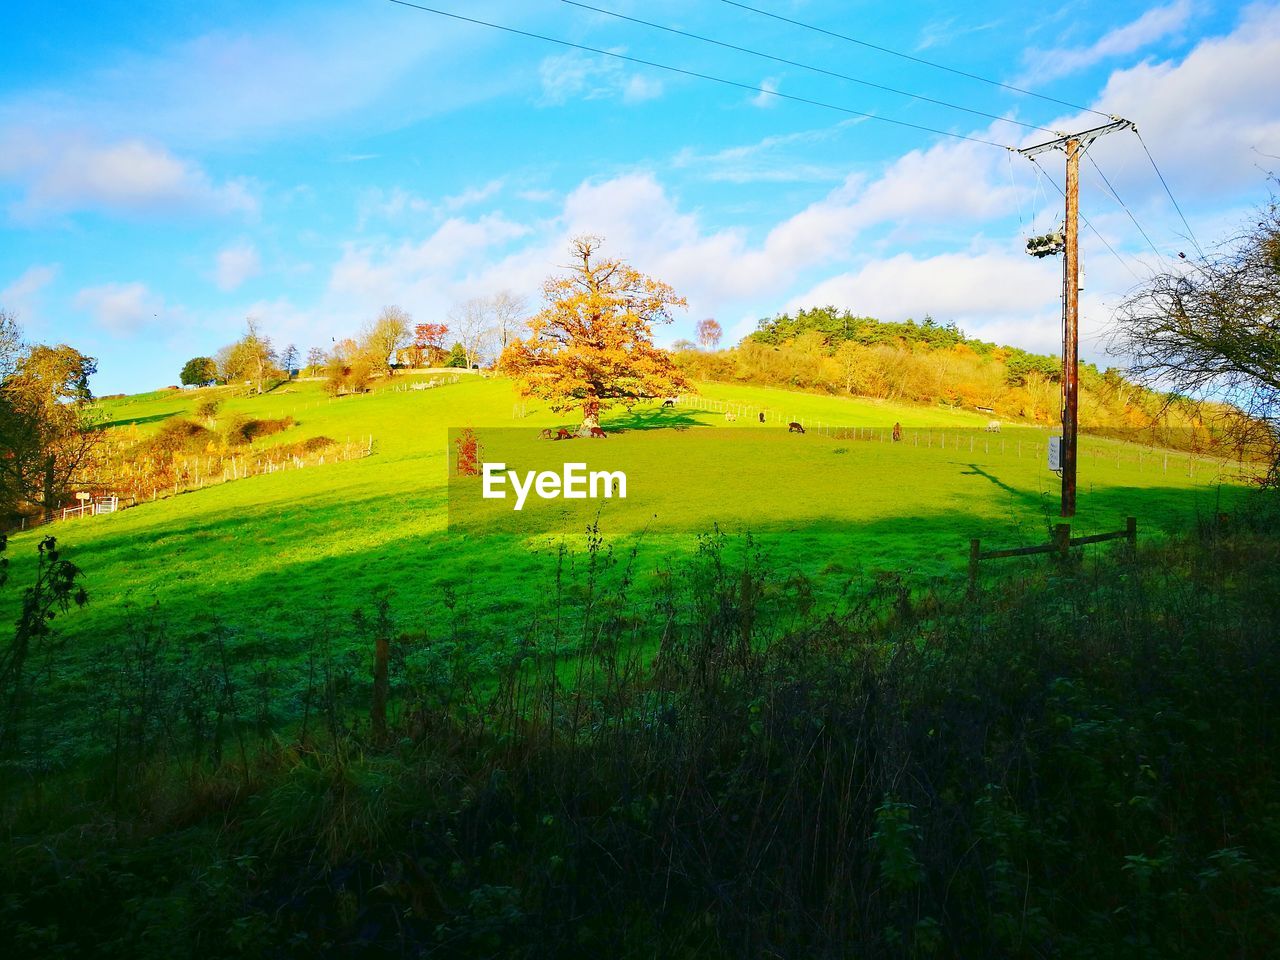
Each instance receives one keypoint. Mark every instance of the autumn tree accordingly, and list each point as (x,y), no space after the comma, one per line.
(47,427)
(709,333)
(349,368)
(199,372)
(251,359)
(591,347)
(850,361)
(383,336)
(428,343)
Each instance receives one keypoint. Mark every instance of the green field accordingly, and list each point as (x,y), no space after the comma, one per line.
(265,553)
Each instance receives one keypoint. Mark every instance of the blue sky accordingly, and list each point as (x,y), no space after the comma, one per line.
(167,170)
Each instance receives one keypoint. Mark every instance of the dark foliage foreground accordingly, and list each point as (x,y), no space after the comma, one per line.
(1081,764)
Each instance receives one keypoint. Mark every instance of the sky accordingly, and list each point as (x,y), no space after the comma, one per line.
(169,170)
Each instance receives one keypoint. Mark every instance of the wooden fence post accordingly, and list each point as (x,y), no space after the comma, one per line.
(1062,539)
(975,552)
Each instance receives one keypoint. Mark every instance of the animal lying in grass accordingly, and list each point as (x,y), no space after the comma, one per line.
(563,434)
(794,427)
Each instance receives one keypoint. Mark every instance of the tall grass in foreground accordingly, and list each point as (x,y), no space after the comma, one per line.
(1082,764)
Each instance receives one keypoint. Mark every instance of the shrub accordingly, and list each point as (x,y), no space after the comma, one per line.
(240,430)
(207,409)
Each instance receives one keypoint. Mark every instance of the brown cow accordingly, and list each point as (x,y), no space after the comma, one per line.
(597,432)
(668,403)
(794,427)
(563,434)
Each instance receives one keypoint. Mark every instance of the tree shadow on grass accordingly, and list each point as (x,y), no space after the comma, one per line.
(1032,499)
(138,421)
(654,419)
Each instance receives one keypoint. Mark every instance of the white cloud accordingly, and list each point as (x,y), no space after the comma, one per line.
(765,98)
(581,76)
(121,308)
(471,196)
(1154,25)
(235,265)
(22,297)
(398,203)
(126,176)
(995,284)
(721,271)
(942,32)
(768,160)
(1205,118)
(389,273)
(639,88)
(28,285)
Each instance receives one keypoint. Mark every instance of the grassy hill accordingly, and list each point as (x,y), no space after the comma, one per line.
(568,750)
(266,553)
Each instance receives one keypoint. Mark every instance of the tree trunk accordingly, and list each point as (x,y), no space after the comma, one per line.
(49,491)
(590,418)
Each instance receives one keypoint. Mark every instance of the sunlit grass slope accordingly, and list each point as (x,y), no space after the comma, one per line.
(268,552)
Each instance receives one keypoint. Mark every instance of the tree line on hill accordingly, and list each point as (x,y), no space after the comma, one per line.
(481,328)
(839,352)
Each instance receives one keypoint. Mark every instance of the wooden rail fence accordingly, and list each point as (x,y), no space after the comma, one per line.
(1061,545)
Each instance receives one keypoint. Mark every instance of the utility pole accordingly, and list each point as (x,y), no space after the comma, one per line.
(1067,242)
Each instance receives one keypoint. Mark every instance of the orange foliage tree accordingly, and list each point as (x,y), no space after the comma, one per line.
(591,347)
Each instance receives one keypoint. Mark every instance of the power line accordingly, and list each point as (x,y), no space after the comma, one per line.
(1190,233)
(1017,196)
(693,73)
(914,59)
(1119,259)
(1124,206)
(805,66)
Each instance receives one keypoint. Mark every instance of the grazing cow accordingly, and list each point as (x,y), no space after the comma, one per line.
(993,426)
(730,416)
(563,434)
(545,435)
(897,432)
(794,427)
(668,403)
(598,432)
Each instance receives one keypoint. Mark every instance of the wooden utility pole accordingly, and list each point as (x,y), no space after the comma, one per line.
(1071,330)
(1067,242)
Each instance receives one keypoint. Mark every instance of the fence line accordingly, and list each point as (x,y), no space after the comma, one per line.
(1061,544)
(980,439)
(235,470)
